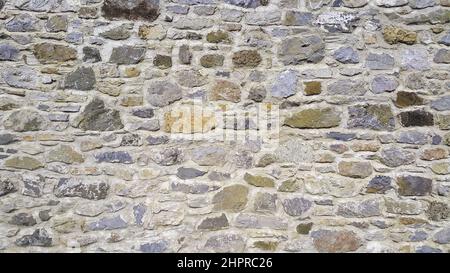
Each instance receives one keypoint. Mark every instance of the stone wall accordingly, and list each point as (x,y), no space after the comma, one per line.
(100,151)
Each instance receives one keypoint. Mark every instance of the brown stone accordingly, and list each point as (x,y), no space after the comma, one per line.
(188,120)
(232,198)
(48,53)
(434,154)
(405,99)
(355,169)
(246,58)
(393,35)
(313,88)
(131,9)
(225,90)
(212,60)
(335,241)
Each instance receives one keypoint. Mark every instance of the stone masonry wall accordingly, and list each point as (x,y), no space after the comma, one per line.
(108,111)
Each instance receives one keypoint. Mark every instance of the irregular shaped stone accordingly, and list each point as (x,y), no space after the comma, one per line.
(355,3)
(114,157)
(335,240)
(296,206)
(312,88)
(147,10)
(391,3)
(74,187)
(407,207)
(184,54)
(285,84)
(297,50)
(48,53)
(91,55)
(214,223)
(246,58)
(23,22)
(346,55)
(39,237)
(416,118)
(441,104)
(355,169)
(438,211)
(190,78)
(441,168)
(163,93)
(442,236)
(218,37)
(263,18)
(65,154)
(188,120)
(189,173)
(297,18)
(212,60)
(414,59)
(83,78)
(23,219)
(257,93)
(231,198)
(168,157)
(411,185)
(382,83)
(366,208)
(405,99)
(265,202)
(156,32)
(259,181)
(20,77)
(247,3)
(107,223)
(209,155)
(375,117)
(225,90)
(23,162)
(379,184)
(225,243)
(434,154)
(393,35)
(347,87)
(381,61)
(127,55)
(336,21)
(192,23)
(8,53)
(6,186)
(33,185)
(295,151)
(117,33)
(413,137)
(57,23)
(442,56)
(246,220)
(162,61)
(445,40)
(421,4)
(159,246)
(314,118)
(96,117)
(396,156)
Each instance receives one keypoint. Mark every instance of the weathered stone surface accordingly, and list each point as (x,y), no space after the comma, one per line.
(214,223)
(168,157)
(247,3)
(366,208)
(414,185)
(218,37)
(154,247)
(39,237)
(155,32)
(265,202)
(245,220)
(416,118)
(6,186)
(314,118)
(438,211)
(190,78)
(225,90)
(225,243)
(91,55)
(24,121)
(8,53)
(189,173)
(57,23)
(263,18)
(441,104)
(383,83)
(296,206)
(413,137)
(379,184)
(382,61)
(114,157)
(246,58)
(97,117)
(212,60)
(163,93)
(73,187)
(117,33)
(295,151)
(65,154)
(302,49)
(23,162)
(355,169)
(48,53)
(375,117)
(232,198)
(414,59)
(23,23)
(442,236)
(396,156)
(346,55)
(209,155)
(147,10)
(285,84)
(20,77)
(434,154)
(312,88)
(162,61)
(442,56)
(110,223)
(393,35)
(406,207)
(83,78)
(295,18)
(405,99)
(23,219)
(259,181)
(335,240)
(127,55)
(347,87)
(337,21)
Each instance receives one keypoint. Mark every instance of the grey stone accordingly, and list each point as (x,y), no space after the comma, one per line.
(381,61)
(127,55)
(189,173)
(263,18)
(297,50)
(295,151)
(441,104)
(40,237)
(44,215)
(23,22)
(442,56)
(382,83)
(346,55)
(23,219)
(347,87)
(6,186)
(337,21)
(163,93)
(231,15)
(108,223)
(154,247)
(190,78)
(415,81)
(139,212)
(6,139)
(97,117)
(168,157)
(296,206)
(355,3)
(411,185)
(83,78)
(427,249)
(225,243)
(355,169)
(296,18)
(57,23)
(8,53)
(341,136)
(396,156)
(285,84)
(414,59)
(421,4)
(91,55)
(214,223)
(131,140)
(246,220)
(20,77)
(391,3)
(144,113)
(46,5)
(209,155)
(265,202)
(379,184)
(375,117)
(438,211)
(147,10)
(445,40)
(118,33)
(442,236)
(413,137)
(114,157)
(157,140)
(75,187)
(366,208)
(33,185)
(192,23)
(184,54)
(25,121)
(257,93)
(246,3)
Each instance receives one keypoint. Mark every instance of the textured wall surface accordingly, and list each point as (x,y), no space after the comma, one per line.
(130,125)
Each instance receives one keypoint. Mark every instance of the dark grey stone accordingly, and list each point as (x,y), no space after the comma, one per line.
(7,139)
(23,22)
(296,206)
(91,55)
(189,173)
(114,157)
(8,53)
(341,136)
(23,219)
(40,237)
(155,247)
(96,117)
(144,113)
(139,212)
(83,78)
(379,184)
(73,187)
(346,55)
(108,223)
(6,186)
(127,55)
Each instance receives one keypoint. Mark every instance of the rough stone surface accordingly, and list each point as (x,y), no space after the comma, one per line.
(83,78)
(147,10)
(163,93)
(414,185)
(375,117)
(97,117)
(314,118)
(396,156)
(85,189)
(335,241)
(127,55)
